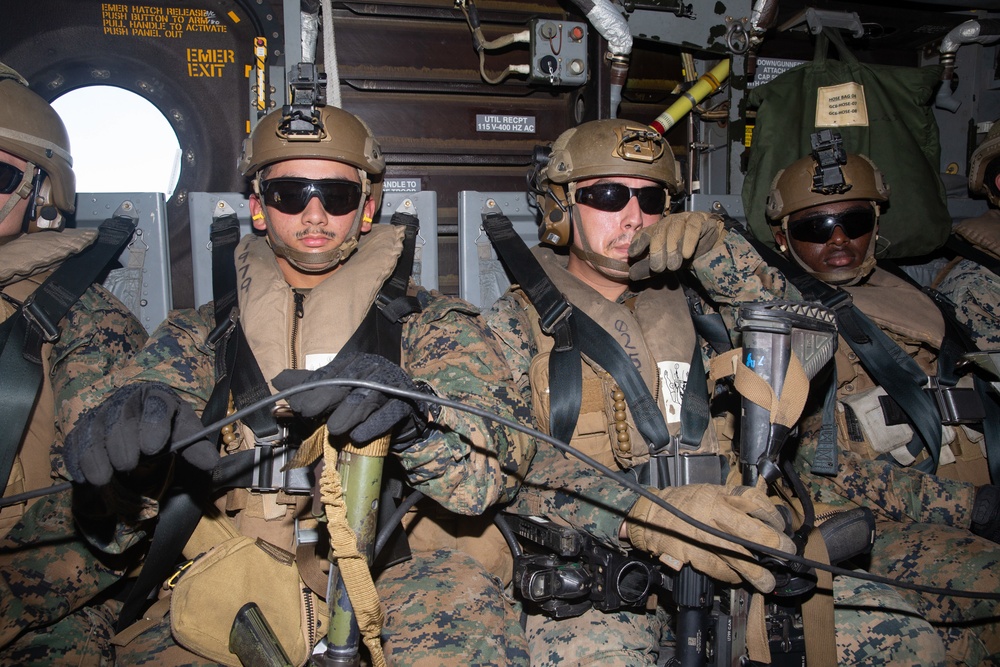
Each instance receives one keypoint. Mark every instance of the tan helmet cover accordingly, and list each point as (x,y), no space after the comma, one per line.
(336,135)
(792,188)
(32,130)
(340,136)
(612,147)
(981,158)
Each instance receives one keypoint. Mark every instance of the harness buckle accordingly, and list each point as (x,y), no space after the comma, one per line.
(551,318)
(38,319)
(957,405)
(224,328)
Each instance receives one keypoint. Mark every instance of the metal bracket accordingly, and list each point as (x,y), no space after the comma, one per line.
(817,19)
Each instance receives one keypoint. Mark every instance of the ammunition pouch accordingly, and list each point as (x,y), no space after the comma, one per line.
(210,590)
(873,419)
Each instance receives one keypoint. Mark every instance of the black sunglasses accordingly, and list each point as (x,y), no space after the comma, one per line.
(613,197)
(819,228)
(291,195)
(10,178)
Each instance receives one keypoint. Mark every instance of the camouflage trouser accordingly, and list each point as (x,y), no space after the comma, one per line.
(922,538)
(946,557)
(82,639)
(442,608)
(622,639)
(49,581)
(874,626)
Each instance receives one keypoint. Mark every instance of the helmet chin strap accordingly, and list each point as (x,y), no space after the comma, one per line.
(612,269)
(318,262)
(846,277)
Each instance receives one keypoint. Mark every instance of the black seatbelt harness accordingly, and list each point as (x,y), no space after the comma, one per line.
(238,374)
(956,405)
(575,333)
(37,322)
(887,363)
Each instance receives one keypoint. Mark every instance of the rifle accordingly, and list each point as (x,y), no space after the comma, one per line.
(774,333)
(574,572)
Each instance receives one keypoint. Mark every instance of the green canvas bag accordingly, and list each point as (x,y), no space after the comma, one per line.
(899,134)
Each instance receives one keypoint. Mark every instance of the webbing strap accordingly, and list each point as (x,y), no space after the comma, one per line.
(709,326)
(958,340)
(236,369)
(181,508)
(37,322)
(895,371)
(887,363)
(817,611)
(585,337)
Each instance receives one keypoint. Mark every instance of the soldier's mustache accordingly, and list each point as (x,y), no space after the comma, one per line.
(621,239)
(315,232)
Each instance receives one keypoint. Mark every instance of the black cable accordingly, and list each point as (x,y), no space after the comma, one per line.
(508,534)
(397,517)
(418,396)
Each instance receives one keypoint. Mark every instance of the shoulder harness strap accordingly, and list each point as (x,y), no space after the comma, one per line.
(889,365)
(576,333)
(37,322)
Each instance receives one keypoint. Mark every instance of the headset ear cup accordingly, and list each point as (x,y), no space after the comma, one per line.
(554,229)
(45,215)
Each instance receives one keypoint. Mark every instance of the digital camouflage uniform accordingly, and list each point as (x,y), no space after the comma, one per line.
(443,606)
(973,288)
(874,625)
(922,520)
(55,601)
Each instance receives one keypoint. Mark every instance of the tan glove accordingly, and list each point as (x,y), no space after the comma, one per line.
(741,511)
(673,239)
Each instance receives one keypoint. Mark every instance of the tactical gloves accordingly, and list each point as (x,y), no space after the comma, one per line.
(141,419)
(364,414)
(673,239)
(741,511)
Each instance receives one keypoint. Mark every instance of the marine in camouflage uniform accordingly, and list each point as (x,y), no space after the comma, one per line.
(446,605)
(923,521)
(53,588)
(971,286)
(973,289)
(873,624)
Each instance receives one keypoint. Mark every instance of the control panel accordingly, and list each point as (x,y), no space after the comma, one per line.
(558,52)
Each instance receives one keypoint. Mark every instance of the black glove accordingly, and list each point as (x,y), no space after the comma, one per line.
(138,419)
(364,414)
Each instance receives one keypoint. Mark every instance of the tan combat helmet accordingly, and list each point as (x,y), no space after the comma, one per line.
(596,149)
(824,177)
(32,130)
(981,158)
(319,132)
